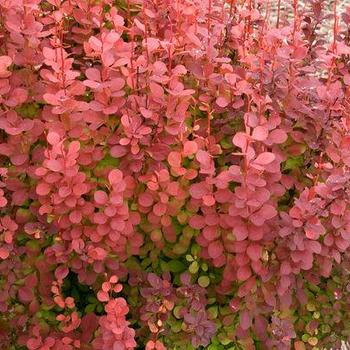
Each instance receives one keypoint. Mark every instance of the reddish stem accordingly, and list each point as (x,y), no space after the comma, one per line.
(278,13)
(335,24)
(231,8)
(209,22)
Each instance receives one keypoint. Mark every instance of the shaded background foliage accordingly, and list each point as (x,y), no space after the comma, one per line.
(174,175)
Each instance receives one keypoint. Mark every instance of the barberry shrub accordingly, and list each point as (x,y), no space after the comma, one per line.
(174,174)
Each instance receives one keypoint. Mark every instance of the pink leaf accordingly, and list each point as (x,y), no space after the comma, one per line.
(93,74)
(54,165)
(117,84)
(156,90)
(75,217)
(198,190)
(174,159)
(194,39)
(5,62)
(158,151)
(152,44)
(254,252)
(203,157)
(100,197)
(215,249)
(145,199)
(197,222)
(266,212)
(139,25)
(108,58)
(260,133)
(245,320)
(95,43)
(102,296)
(240,232)
(42,189)
(115,176)
(240,140)
(243,273)
(53,138)
(34,343)
(118,151)
(25,294)
(278,136)
(74,147)
(208,200)
(265,158)
(4,253)
(159,209)
(190,147)
(61,272)
(222,102)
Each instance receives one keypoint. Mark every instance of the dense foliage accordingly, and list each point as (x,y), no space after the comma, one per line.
(174,174)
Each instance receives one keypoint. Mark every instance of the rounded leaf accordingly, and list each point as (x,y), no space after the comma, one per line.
(265,158)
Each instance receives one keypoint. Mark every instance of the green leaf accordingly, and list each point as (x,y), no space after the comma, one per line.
(213,312)
(90,308)
(194,267)
(189,258)
(28,110)
(99,308)
(293,163)
(108,161)
(164,266)
(92,300)
(215,347)
(177,311)
(204,267)
(226,143)
(176,327)
(176,266)
(176,226)
(204,281)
